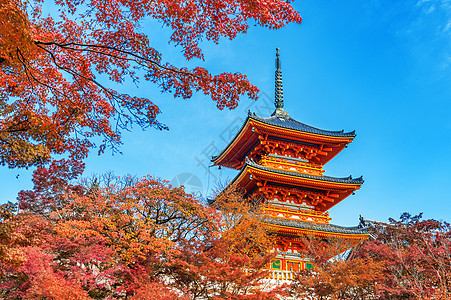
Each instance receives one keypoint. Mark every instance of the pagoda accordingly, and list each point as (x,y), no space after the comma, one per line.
(281,160)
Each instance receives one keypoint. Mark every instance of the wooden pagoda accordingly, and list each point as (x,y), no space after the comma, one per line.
(281,160)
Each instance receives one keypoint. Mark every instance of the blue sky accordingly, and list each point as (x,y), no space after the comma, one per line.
(382,68)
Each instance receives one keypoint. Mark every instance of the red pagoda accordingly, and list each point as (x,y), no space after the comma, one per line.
(281,160)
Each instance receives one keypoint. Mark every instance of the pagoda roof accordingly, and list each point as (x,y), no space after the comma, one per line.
(317,227)
(251,173)
(345,180)
(290,123)
(280,125)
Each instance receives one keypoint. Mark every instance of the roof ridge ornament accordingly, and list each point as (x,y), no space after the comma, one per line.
(278,99)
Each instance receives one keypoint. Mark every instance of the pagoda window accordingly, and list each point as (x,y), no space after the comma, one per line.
(276,264)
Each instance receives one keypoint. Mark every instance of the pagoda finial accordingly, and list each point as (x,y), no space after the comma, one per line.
(279,89)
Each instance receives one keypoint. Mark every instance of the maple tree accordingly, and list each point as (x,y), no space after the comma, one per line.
(416,255)
(408,258)
(141,240)
(334,275)
(54,98)
(9,239)
(77,242)
(354,279)
(51,186)
(233,264)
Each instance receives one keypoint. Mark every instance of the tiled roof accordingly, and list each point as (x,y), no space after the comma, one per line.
(290,123)
(285,121)
(317,227)
(348,180)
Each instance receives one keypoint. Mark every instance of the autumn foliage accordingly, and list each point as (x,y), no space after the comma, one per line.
(416,256)
(146,240)
(408,258)
(338,279)
(58,67)
(60,63)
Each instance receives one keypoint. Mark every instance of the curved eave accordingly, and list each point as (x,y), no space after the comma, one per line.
(292,124)
(291,177)
(247,137)
(296,228)
(299,134)
(297,232)
(226,156)
(344,186)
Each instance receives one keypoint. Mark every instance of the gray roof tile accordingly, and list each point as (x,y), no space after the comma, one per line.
(315,226)
(348,180)
(290,123)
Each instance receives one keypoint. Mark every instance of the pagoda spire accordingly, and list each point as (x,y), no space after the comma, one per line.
(278,99)
(279,88)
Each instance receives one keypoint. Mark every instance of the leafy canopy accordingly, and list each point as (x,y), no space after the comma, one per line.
(141,240)
(408,258)
(51,98)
